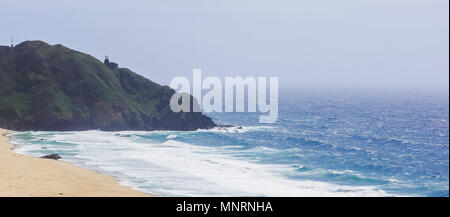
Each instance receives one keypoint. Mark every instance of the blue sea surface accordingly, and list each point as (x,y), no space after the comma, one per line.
(325,143)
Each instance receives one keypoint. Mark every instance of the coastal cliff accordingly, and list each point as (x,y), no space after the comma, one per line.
(52,87)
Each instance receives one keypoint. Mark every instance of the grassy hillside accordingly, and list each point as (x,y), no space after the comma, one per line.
(44,87)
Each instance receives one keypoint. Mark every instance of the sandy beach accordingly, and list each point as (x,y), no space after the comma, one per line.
(25,176)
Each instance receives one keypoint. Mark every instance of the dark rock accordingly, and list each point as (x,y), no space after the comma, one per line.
(52,156)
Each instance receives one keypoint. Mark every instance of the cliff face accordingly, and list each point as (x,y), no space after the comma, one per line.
(45,87)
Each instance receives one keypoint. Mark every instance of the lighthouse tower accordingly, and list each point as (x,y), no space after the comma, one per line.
(111,65)
(106,60)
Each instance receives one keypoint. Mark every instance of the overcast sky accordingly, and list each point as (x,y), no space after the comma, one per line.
(375,43)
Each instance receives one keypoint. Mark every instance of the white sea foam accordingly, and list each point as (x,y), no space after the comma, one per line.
(238,129)
(175,168)
(171,136)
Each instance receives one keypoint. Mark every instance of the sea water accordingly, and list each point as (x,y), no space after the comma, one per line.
(325,143)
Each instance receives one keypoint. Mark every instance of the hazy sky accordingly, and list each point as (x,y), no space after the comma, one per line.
(304,43)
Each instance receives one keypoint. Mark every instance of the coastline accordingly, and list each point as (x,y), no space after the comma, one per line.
(24,176)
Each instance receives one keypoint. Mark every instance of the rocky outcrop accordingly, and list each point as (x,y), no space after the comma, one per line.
(52,156)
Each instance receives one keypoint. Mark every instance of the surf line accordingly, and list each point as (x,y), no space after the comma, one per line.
(212,100)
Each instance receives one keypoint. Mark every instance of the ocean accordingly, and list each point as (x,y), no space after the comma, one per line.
(325,143)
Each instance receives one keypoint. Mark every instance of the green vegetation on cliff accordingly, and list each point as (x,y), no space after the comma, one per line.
(44,87)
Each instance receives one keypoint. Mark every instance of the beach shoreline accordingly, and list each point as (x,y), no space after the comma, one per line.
(24,176)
